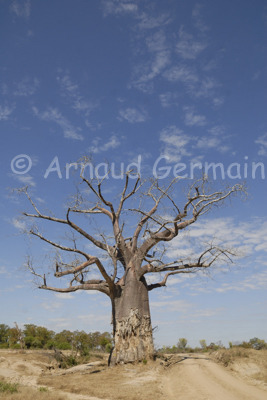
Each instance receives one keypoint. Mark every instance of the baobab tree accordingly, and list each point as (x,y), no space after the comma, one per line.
(143,219)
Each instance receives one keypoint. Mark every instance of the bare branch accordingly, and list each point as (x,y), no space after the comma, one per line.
(101,287)
(201,203)
(96,242)
(99,195)
(73,270)
(164,281)
(124,197)
(59,246)
(206,259)
(128,251)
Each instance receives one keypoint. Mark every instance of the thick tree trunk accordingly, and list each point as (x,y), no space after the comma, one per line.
(132,323)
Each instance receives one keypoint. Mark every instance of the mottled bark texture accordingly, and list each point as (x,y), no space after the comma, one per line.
(133,339)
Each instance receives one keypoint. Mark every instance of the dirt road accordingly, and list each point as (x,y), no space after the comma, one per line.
(198,378)
(179,377)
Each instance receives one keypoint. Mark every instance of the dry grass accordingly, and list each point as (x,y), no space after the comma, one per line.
(17,392)
(6,387)
(130,382)
(228,356)
(125,382)
(260,376)
(248,363)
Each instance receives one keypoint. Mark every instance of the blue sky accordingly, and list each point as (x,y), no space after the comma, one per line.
(116,80)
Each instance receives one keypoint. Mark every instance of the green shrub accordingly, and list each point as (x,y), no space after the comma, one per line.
(182,343)
(63,346)
(68,362)
(203,344)
(8,387)
(109,347)
(258,344)
(15,346)
(51,344)
(43,389)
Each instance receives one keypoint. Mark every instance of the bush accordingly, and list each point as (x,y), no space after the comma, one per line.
(43,389)
(8,387)
(182,343)
(63,346)
(258,344)
(109,347)
(15,346)
(203,344)
(51,344)
(68,362)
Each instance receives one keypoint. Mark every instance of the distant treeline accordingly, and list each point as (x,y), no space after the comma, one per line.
(254,343)
(38,337)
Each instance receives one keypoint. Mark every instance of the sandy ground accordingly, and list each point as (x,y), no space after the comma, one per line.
(202,379)
(186,377)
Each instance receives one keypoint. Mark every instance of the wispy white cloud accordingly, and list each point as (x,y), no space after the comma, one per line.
(94,126)
(26,180)
(53,115)
(209,142)
(192,118)
(132,115)
(172,305)
(64,296)
(18,224)
(59,322)
(178,145)
(247,237)
(157,50)
(218,101)
(198,19)
(210,65)
(262,142)
(156,42)
(259,281)
(217,130)
(21,8)
(147,21)
(188,47)
(119,7)
(206,313)
(3,271)
(181,73)
(206,141)
(51,305)
(195,86)
(207,87)
(175,143)
(71,92)
(4,89)
(159,57)
(216,139)
(26,87)
(98,145)
(5,112)
(40,200)
(168,99)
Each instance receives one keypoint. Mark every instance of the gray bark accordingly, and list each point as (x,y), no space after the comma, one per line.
(133,340)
